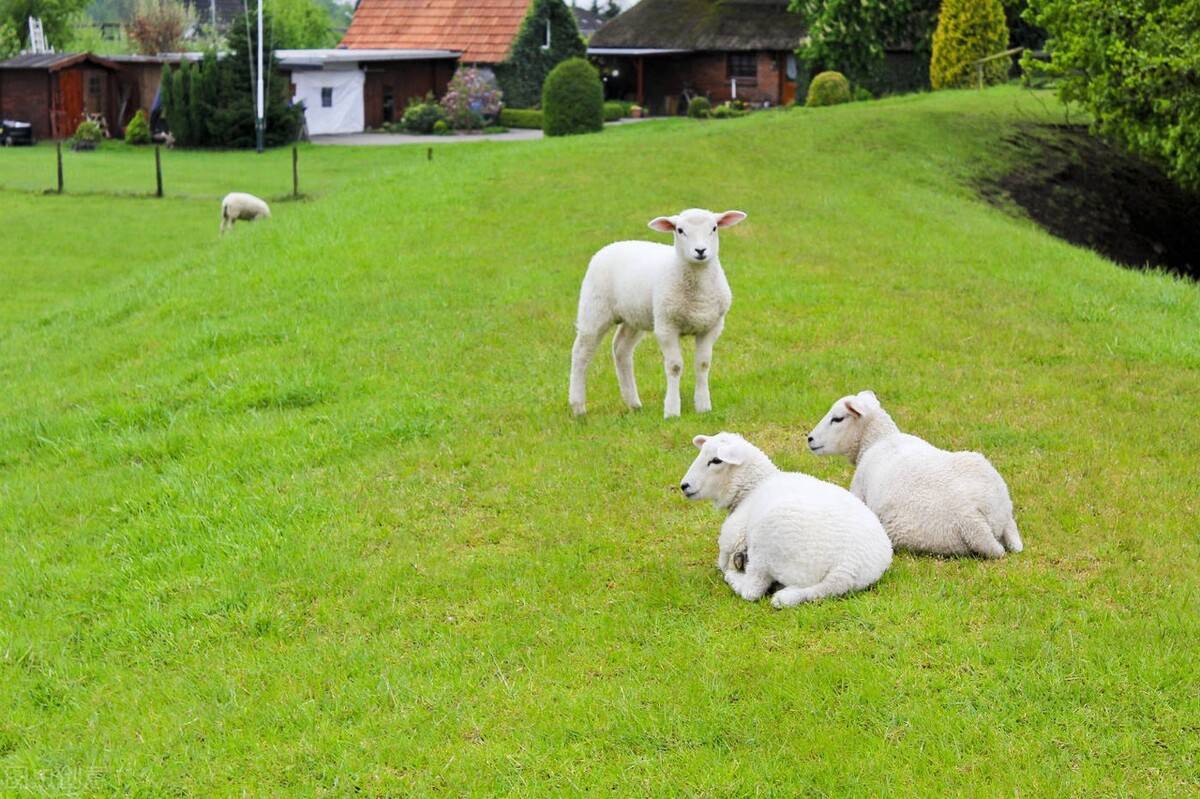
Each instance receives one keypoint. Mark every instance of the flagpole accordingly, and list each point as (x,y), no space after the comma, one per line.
(260,123)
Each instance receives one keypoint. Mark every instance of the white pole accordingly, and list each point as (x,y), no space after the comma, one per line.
(260,123)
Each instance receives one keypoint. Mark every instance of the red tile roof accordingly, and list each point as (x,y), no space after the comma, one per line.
(483,29)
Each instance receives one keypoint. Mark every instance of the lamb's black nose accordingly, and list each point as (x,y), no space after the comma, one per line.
(810,439)
(683,487)
(700,251)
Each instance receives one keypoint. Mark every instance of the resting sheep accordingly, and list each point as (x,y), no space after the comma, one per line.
(811,536)
(641,286)
(239,205)
(928,499)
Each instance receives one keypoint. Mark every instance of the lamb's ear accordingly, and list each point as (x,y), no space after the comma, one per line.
(868,398)
(663,224)
(853,408)
(731,454)
(730,218)
(699,441)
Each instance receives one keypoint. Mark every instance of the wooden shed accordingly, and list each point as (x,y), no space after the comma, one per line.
(53,91)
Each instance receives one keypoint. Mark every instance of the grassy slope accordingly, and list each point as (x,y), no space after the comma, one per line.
(302,512)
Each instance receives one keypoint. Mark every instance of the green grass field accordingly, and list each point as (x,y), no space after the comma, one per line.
(302,512)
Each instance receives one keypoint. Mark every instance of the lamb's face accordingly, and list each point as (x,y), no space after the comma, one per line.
(710,472)
(696,232)
(841,429)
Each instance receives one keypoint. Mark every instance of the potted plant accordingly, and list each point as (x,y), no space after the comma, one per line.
(636,111)
(87,136)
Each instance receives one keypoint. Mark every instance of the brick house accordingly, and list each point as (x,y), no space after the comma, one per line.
(661,51)
(53,91)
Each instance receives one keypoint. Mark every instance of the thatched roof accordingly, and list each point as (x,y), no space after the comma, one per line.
(703,25)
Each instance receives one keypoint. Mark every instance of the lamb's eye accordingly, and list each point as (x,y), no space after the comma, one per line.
(836,419)
(679,230)
(714,228)
(715,461)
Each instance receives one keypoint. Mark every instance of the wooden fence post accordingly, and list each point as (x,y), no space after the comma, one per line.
(58,148)
(157,173)
(295,171)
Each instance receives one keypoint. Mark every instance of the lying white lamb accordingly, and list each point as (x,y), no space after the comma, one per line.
(811,536)
(239,205)
(641,286)
(929,500)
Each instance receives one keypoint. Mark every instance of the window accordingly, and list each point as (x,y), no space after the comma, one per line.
(743,66)
(327,97)
(546,44)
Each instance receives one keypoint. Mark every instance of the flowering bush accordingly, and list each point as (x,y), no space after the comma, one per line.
(471,98)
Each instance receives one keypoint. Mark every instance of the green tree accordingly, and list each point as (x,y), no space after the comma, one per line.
(231,121)
(56,16)
(301,24)
(1135,66)
(10,42)
(852,36)
(529,62)
(967,31)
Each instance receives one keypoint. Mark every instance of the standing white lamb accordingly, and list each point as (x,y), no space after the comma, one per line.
(929,500)
(239,205)
(813,537)
(674,291)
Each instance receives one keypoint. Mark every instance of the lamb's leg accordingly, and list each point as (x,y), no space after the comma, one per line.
(751,584)
(225,223)
(668,341)
(977,534)
(1010,538)
(586,341)
(836,583)
(704,349)
(625,341)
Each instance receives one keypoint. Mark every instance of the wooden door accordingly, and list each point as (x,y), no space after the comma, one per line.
(68,106)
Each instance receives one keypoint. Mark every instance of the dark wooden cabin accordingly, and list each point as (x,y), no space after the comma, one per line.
(53,91)
(660,51)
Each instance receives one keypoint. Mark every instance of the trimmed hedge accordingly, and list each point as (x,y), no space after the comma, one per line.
(828,88)
(573,99)
(138,129)
(699,108)
(614,110)
(521,118)
(967,31)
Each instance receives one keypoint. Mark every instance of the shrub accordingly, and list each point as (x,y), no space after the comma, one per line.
(441,128)
(728,111)
(572,99)
(699,108)
(613,111)
(87,136)
(471,98)
(968,30)
(421,115)
(138,129)
(828,88)
(862,93)
(521,118)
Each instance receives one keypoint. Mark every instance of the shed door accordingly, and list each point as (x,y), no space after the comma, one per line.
(68,107)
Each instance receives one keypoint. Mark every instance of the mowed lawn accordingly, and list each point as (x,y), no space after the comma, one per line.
(302,512)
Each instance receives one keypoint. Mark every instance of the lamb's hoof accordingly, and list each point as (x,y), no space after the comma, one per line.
(703,407)
(634,406)
(671,414)
(578,409)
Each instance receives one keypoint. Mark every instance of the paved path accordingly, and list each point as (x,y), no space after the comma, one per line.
(375,139)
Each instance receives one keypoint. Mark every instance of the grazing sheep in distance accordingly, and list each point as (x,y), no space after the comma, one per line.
(239,205)
(929,500)
(813,537)
(641,286)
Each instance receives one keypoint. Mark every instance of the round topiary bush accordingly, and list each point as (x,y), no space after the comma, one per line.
(828,88)
(138,129)
(699,108)
(572,99)
(967,31)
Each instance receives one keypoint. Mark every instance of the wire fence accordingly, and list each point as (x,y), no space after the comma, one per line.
(150,172)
